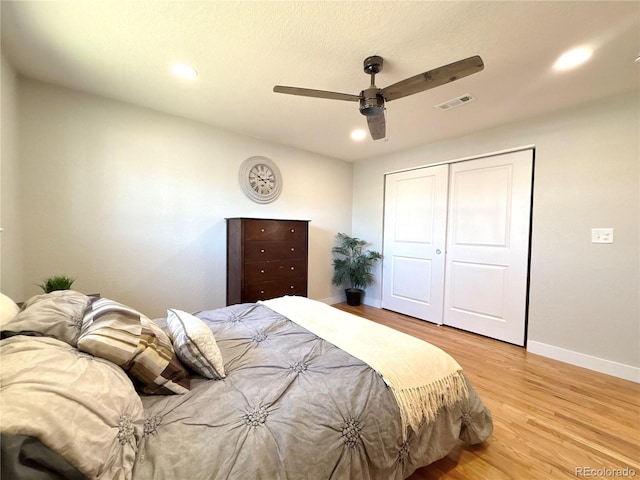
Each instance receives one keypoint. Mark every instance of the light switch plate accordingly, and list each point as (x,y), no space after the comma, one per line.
(602,235)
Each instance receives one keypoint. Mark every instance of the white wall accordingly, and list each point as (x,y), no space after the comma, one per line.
(132,202)
(584,298)
(10,237)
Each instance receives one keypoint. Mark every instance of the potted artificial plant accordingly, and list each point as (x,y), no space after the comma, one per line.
(352,266)
(57,282)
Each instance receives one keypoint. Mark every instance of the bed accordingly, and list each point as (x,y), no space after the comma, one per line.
(91,388)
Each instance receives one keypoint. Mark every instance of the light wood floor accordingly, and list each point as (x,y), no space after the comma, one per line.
(550,418)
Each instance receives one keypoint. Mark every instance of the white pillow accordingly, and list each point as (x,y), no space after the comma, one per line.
(195,344)
(8,309)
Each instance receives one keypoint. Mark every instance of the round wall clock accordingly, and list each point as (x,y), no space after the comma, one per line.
(260,179)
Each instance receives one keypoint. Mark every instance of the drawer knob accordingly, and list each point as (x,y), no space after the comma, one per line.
(261,271)
(262,229)
(261,291)
(293,249)
(293,268)
(262,250)
(291,287)
(293,230)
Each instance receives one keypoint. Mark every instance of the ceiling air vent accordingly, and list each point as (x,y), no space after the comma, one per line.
(455,102)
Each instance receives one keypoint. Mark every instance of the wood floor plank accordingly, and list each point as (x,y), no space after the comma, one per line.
(550,418)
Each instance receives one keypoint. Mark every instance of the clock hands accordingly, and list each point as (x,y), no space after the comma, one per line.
(262,179)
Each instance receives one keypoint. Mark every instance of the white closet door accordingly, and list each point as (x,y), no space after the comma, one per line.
(488,245)
(415,214)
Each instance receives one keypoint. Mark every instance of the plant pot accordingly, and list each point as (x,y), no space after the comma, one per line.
(354,296)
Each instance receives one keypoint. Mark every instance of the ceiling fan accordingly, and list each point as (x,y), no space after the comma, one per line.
(372,99)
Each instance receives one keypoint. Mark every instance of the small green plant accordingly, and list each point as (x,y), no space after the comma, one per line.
(58,282)
(353,263)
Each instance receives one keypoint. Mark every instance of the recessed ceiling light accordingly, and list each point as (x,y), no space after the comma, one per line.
(358,135)
(183,70)
(573,58)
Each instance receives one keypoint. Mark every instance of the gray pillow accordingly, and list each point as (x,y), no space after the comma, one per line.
(57,314)
(82,407)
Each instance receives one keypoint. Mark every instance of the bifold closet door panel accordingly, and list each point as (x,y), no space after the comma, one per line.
(415,219)
(488,245)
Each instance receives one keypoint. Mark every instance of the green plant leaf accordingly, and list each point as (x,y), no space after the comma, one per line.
(352,263)
(57,282)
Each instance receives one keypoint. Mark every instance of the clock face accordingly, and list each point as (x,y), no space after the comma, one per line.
(260,179)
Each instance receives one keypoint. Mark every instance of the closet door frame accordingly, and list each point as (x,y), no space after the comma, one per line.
(518,339)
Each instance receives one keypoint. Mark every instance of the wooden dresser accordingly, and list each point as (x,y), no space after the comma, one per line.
(266,258)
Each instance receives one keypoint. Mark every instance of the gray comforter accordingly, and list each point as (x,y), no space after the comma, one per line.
(292,406)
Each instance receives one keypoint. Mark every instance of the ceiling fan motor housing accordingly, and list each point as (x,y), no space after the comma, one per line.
(373,64)
(371,102)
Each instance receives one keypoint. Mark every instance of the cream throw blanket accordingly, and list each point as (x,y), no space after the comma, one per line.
(422,377)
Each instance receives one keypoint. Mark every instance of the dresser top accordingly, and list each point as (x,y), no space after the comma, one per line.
(269,219)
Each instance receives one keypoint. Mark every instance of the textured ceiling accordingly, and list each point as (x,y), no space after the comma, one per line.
(123,50)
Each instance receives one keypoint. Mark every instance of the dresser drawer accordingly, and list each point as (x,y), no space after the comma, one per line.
(274,230)
(263,251)
(277,270)
(273,289)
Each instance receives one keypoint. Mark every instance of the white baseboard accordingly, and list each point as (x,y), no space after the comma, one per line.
(332,300)
(373,302)
(601,365)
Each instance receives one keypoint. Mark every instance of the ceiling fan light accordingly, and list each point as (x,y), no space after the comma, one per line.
(183,70)
(573,58)
(358,135)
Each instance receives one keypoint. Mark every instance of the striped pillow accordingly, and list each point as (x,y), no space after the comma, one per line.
(127,338)
(195,344)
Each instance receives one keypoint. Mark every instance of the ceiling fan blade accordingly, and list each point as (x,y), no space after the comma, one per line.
(377,125)
(433,78)
(307,92)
